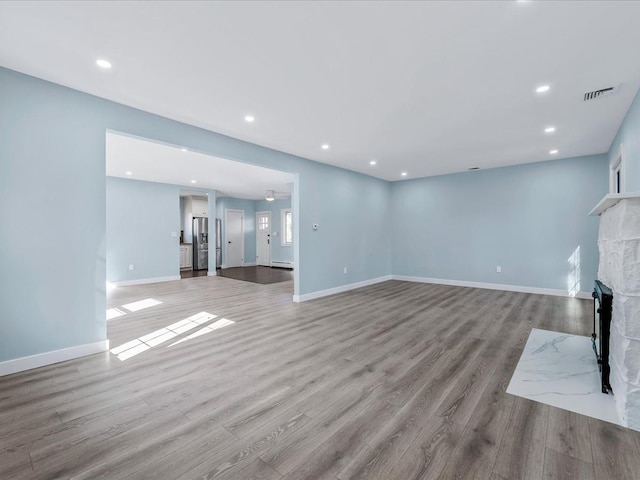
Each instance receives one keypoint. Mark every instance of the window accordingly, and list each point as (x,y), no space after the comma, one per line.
(287,227)
(616,174)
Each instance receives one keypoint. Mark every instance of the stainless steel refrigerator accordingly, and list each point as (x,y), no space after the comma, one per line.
(200,243)
(218,243)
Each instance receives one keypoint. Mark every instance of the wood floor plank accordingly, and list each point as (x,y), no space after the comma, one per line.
(615,452)
(558,466)
(409,456)
(394,381)
(521,453)
(476,452)
(237,457)
(568,433)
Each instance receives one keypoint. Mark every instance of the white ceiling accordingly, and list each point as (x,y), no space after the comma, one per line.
(154,162)
(427,87)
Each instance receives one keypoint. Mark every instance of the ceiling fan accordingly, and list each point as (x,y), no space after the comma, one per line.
(272,195)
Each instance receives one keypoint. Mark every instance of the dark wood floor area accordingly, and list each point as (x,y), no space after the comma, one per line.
(257,274)
(396,381)
(193,273)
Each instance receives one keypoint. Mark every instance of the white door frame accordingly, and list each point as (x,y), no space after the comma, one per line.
(226,240)
(264,212)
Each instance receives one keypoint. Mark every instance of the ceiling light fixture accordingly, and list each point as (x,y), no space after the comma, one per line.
(193,181)
(102,63)
(553,152)
(404,174)
(249,118)
(183,149)
(270,196)
(543,89)
(372,162)
(549,129)
(325,146)
(129,173)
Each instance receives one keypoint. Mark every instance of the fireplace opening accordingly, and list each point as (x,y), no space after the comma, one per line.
(602,307)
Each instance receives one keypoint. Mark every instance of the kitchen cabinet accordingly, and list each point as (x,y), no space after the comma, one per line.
(185,256)
(200,207)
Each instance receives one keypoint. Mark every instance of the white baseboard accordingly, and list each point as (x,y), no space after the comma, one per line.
(282,264)
(249,264)
(340,289)
(491,286)
(144,281)
(49,358)
(212,274)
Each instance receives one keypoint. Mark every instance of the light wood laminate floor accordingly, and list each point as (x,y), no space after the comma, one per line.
(394,381)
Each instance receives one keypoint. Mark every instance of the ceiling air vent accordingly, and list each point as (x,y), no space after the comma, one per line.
(603,92)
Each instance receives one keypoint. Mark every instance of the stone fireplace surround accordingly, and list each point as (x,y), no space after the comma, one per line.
(619,269)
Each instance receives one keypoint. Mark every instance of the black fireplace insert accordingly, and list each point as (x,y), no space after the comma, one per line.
(602,305)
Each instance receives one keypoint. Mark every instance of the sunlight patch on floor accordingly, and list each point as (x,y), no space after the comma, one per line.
(223,322)
(158,337)
(142,304)
(114,313)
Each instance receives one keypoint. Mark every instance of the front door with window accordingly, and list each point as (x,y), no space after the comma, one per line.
(263,238)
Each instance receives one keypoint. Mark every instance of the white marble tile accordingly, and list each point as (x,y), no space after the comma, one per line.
(561,370)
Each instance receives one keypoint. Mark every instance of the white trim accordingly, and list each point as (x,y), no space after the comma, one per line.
(615,164)
(283,212)
(49,358)
(282,264)
(212,274)
(343,288)
(491,286)
(144,281)
(249,264)
(610,200)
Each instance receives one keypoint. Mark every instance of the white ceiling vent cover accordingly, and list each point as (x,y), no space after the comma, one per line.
(595,94)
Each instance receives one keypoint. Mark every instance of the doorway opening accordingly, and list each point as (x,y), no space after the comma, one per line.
(160,197)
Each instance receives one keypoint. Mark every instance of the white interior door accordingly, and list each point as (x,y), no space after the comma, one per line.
(234,238)
(263,238)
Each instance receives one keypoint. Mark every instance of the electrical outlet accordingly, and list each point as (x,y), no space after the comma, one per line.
(498,269)
(131,266)
(345,270)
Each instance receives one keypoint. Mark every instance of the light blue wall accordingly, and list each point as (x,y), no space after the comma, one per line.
(52,165)
(629,136)
(278,251)
(140,219)
(528,219)
(249,207)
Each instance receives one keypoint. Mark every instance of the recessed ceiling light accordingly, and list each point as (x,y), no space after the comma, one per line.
(325,146)
(102,63)
(249,118)
(372,162)
(183,149)
(549,129)
(543,88)
(553,152)
(193,181)
(129,173)
(404,174)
